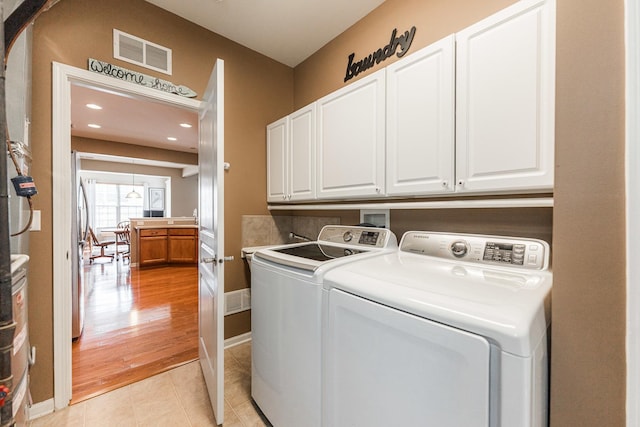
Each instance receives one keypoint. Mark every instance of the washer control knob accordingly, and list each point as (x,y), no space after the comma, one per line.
(459,248)
(347,236)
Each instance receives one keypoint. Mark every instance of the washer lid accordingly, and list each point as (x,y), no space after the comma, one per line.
(508,306)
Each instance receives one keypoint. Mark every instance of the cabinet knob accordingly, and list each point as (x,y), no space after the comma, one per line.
(445,184)
(461,183)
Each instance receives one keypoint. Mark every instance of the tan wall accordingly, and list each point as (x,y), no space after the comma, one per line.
(258,91)
(588,356)
(324,71)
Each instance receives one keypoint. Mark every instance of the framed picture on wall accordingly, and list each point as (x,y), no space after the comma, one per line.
(156,199)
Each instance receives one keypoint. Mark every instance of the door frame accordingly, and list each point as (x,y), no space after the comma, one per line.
(63,76)
(632,160)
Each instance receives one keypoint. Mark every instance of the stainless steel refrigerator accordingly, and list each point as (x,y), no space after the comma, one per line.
(79,232)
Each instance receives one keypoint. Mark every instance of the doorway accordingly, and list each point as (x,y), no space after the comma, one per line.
(63,77)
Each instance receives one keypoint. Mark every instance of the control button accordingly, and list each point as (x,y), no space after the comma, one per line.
(347,236)
(533,247)
(459,248)
(533,258)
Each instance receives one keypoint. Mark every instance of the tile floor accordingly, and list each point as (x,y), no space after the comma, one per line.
(175,398)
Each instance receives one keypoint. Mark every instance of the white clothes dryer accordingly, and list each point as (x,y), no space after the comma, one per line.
(286,317)
(449,331)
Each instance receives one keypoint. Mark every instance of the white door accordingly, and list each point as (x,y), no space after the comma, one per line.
(420,121)
(302,145)
(386,367)
(505,97)
(211,254)
(350,139)
(277,165)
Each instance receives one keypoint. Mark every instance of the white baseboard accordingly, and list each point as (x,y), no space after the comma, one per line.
(238,339)
(41,409)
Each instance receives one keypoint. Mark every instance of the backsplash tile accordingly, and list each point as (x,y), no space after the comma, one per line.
(261,230)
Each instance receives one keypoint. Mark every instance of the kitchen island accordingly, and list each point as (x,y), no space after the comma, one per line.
(164,241)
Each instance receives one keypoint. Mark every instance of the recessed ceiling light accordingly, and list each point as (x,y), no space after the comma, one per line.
(94,106)
(171,138)
(93,125)
(185,125)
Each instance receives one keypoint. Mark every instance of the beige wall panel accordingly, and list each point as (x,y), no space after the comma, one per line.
(588,359)
(324,72)
(258,91)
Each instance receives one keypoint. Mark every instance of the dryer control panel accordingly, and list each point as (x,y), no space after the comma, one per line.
(517,252)
(358,236)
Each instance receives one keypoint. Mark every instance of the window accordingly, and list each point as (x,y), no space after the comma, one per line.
(113,207)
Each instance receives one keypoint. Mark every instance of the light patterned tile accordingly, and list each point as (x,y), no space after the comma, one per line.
(239,392)
(114,408)
(156,402)
(71,416)
(242,353)
(250,415)
(230,417)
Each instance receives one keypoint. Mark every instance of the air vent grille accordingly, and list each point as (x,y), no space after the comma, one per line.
(141,52)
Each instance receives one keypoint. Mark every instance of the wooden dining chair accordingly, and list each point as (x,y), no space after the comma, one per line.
(102,244)
(124,239)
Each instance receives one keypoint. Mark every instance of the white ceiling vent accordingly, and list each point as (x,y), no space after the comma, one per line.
(141,52)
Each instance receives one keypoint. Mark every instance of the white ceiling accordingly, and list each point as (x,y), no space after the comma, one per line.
(132,121)
(287,31)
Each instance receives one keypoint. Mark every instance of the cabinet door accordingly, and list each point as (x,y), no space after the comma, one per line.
(302,144)
(152,250)
(505,100)
(277,140)
(351,126)
(420,121)
(182,249)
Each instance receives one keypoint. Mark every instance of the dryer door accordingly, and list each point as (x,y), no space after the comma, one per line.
(385,367)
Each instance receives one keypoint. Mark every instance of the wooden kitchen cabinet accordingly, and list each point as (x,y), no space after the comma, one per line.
(159,246)
(183,245)
(152,246)
(420,150)
(505,99)
(351,140)
(291,157)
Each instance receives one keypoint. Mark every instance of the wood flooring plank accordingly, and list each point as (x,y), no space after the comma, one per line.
(138,323)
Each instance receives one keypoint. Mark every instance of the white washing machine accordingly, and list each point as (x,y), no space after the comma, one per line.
(449,331)
(286,316)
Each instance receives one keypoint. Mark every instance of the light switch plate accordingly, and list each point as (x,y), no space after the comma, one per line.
(35,221)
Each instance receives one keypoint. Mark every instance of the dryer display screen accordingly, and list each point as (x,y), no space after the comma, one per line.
(504,252)
(369,238)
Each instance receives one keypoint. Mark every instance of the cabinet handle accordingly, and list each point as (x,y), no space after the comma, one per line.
(208,260)
(226,259)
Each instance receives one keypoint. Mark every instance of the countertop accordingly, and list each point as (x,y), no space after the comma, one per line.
(146,227)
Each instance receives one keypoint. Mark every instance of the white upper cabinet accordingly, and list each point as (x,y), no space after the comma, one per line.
(420,154)
(302,164)
(350,140)
(505,100)
(291,157)
(277,165)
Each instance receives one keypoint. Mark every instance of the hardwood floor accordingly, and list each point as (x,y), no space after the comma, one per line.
(138,323)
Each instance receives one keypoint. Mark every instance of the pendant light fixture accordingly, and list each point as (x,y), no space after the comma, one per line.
(133,194)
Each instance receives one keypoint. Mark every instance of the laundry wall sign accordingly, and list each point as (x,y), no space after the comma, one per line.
(398,45)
